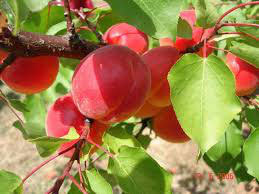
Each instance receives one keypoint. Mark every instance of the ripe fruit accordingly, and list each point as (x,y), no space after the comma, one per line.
(160,60)
(31,75)
(166,126)
(63,115)
(198,35)
(111,84)
(3,55)
(147,110)
(127,35)
(246,75)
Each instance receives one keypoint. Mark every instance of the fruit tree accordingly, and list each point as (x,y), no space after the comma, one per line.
(98,80)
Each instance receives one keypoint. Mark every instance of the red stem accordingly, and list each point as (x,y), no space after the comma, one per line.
(234,8)
(101,148)
(46,162)
(76,184)
(80,174)
(239,33)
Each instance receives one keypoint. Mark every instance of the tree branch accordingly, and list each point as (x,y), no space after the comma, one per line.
(32,44)
(76,156)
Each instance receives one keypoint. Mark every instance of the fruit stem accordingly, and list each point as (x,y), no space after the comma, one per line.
(234,8)
(101,148)
(76,183)
(67,14)
(79,169)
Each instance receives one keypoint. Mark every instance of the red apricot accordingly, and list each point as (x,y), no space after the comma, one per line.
(198,35)
(31,75)
(63,115)
(111,84)
(127,35)
(166,126)
(3,55)
(160,60)
(148,110)
(246,75)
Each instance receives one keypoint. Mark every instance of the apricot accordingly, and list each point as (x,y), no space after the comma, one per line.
(63,115)
(3,55)
(31,75)
(127,35)
(198,35)
(246,75)
(111,84)
(147,110)
(166,126)
(160,60)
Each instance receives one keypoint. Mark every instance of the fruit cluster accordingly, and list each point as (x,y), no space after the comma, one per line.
(118,81)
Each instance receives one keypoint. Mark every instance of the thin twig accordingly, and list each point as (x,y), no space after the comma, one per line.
(55,189)
(67,14)
(79,169)
(47,161)
(76,184)
(101,148)
(2,95)
(234,8)
(96,159)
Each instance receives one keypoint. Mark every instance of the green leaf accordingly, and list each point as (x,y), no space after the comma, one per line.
(10,183)
(206,13)
(18,125)
(53,30)
(246,52)
(156,18)
(97,183)
(35,118)
(49,145)
(18,105)
(105,22)
(251,150)
(108,177)
(223,165)
(144,140)
(16,11)
(42,20)
(36,5)
(137,173)
(116,137)
(230,143)
(203,97)
(62,84)
(184,29)
(73,188)
(240,169)
(252,115)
